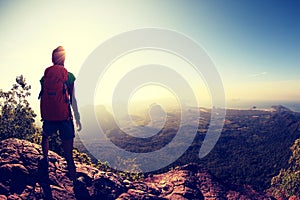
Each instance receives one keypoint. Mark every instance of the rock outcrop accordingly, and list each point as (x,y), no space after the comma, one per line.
(20,179)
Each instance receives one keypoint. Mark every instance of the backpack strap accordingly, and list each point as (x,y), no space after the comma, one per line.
(42,90)
(65,92)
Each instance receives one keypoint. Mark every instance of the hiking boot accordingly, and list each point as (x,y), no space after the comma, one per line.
(43,165)
(43,173)
(79,188)
(79,182)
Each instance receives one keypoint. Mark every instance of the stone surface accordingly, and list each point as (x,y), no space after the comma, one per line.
(21,179)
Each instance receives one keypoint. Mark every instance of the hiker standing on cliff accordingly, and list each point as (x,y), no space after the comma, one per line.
(57,97)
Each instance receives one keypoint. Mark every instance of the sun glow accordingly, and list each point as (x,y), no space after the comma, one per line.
(151,92)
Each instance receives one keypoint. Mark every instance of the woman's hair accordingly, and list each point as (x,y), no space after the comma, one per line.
(58,56)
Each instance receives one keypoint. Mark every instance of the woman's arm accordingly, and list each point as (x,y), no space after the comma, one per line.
(75,110)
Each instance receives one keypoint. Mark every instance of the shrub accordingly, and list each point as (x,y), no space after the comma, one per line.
(287,182)
(16,116)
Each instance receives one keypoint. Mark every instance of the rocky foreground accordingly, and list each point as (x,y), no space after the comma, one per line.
(19,179)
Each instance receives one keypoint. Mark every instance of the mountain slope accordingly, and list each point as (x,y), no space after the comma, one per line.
(253,147)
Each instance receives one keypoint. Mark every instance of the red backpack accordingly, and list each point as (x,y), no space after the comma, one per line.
(55,101)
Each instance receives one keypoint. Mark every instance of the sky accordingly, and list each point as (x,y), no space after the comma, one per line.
(255,45)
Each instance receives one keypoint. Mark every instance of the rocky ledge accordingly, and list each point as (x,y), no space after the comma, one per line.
(19,179)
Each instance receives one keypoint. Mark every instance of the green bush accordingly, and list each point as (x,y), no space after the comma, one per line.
(287,182)
(16,116)
(131,170)
(81,157)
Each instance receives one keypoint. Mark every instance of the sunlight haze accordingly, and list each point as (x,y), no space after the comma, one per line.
(255,45)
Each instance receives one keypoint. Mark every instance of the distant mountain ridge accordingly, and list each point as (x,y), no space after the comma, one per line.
(280,108)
